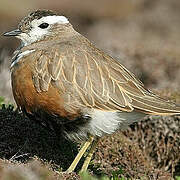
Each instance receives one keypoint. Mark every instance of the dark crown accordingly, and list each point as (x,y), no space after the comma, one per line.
(24,25)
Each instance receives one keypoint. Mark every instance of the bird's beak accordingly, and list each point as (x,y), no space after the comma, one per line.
(15,32)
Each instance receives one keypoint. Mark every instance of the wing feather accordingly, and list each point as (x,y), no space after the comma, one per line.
(86,77)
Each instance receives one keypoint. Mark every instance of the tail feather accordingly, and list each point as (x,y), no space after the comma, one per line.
(152,104)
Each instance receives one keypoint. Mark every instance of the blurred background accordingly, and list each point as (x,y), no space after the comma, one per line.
(142,34)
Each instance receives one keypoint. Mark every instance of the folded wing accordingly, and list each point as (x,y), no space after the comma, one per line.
(88,78)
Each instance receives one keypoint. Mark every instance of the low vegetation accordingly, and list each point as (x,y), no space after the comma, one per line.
(146,150)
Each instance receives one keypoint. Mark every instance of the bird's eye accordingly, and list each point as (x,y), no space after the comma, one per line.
(43,25)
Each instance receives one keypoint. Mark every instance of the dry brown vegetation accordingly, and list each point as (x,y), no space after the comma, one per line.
(144,36)
(149,149)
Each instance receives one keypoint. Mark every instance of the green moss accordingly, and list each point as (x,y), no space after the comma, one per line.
(115,176)
(1,101)
(87,176)
(117,173)
(3,105)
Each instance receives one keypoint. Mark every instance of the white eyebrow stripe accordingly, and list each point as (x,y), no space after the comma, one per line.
(55,19)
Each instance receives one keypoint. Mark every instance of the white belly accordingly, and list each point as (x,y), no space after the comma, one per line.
(105,122)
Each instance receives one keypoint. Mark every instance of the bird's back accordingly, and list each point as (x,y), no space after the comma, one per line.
(72,78)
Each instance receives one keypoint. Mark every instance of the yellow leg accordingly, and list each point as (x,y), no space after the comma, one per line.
(80,154)
(89,156)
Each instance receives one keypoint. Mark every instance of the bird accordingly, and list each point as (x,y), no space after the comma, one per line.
(60,79)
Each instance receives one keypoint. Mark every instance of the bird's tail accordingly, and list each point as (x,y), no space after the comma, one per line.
(155,105)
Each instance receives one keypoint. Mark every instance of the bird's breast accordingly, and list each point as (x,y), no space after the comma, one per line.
(27,97)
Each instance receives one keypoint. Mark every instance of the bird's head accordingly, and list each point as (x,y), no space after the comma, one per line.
(39,25)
